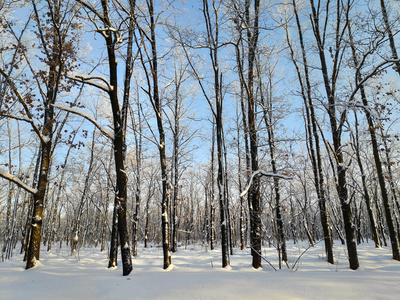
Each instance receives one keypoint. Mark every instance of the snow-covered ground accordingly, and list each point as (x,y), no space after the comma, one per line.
(196,274)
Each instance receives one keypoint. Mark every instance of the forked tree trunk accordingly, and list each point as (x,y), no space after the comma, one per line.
(313,138)
(336,129)
(378,164)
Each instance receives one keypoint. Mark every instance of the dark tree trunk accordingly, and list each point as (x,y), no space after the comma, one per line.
(46,146)
(390,35)
(336,130)
(213,46)
(250,124)
(254,198)
(373,226)
(377,160)
(119,119)
(38,198)
(212,190)
(267,114)
(105,218)
(242,212)
(112,260)
(162,151)
(313,140)
(27,229)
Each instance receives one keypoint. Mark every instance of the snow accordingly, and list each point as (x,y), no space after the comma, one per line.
(197,273)
(45,139)
(262,173)
(103,130)
(4,174)
(90,79)
(37,218)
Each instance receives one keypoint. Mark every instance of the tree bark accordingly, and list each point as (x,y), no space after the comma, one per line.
(119,119)
(313,139)
(377,160)
(390,35)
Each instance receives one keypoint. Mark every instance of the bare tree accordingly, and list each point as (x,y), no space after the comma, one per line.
(336,122)
(181,136)
(112,38)
(359,81)
(250,26)
(147,45)
(313,139)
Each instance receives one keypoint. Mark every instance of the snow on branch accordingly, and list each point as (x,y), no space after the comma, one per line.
(262,173)
(44,139)
(90,7)
(90,79)
(103,130)
(4,174)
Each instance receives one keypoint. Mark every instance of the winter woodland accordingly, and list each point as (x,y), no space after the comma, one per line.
(243,128)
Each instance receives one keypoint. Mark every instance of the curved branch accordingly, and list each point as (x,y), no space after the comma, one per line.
(88,79)
(4,174)
(262,173)
(103,130)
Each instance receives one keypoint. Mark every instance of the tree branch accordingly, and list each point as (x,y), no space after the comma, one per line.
(262,173)
(4,174)
(103,130)
(88,79)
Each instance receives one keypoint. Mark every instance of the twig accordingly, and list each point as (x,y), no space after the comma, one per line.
(309,246)
(263,258)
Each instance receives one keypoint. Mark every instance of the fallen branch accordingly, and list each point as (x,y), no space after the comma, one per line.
(298,259)
(263,257)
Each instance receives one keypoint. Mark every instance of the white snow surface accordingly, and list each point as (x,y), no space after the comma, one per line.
(197,274)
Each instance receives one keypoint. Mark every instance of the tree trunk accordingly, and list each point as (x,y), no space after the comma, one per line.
(390,35)
(313,140)
(377,160)
(373,226)
(105,218)
(138,157)
(255,201)
(38,198)
(212,189)
(119,122)
(267,114)
(336,131)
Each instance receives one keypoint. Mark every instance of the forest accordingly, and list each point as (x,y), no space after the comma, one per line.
(237,124)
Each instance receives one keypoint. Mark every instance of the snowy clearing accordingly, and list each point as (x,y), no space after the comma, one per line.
(196,274)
